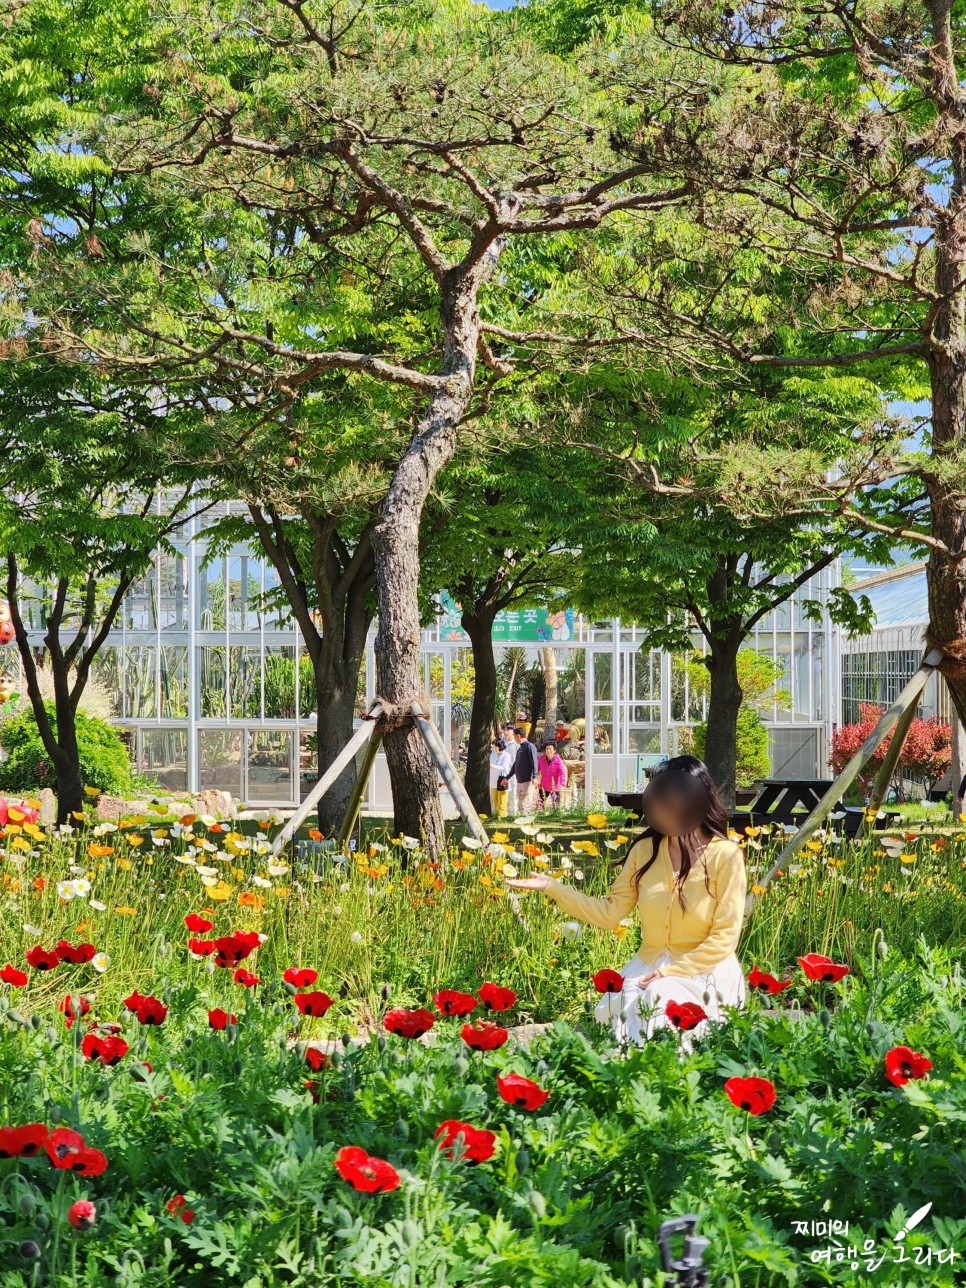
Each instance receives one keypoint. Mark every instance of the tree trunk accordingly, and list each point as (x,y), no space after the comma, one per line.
(549,659)
(335,694)
(412,770)
(479,627)
(724,703)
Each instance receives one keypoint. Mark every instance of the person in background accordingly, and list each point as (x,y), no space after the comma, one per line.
(524,769)
(501,758)
(552,777)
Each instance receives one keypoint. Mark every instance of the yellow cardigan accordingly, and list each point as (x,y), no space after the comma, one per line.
(700,937)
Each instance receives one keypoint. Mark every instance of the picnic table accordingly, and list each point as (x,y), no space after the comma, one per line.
(779,797)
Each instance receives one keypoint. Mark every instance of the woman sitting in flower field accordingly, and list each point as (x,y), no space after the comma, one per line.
(688,946)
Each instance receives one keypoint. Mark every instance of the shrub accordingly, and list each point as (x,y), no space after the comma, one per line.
(26,767)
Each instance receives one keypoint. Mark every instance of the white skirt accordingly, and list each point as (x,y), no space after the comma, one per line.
(636,1012)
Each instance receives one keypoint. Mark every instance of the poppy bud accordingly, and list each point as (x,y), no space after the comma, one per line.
(523,1162)
(538,1203)
(18,1017)
(82,1215)
(870,1029)
(824,1018)
(384,991)
(410,1232)
(186,1040)
(882,948)
(346,1040)
(588,1006)
(401,1129)
(707,997)
(381,1043)
(542,1069)
(54,1113)
(236,1067)
(29,1250)
(35,1022)
(461,1066)
(289,988)
(206,1066)
(28,1205)
(774,1141)
(336,1059)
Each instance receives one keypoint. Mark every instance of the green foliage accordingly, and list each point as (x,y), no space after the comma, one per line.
(26,767)
(752,758)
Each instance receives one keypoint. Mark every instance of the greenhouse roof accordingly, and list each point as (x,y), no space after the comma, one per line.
(899,597)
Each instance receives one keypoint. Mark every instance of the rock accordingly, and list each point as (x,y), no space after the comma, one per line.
(218,803)
(112,808)
(48,807)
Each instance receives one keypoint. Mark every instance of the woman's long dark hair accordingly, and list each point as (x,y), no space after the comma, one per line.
(688,779)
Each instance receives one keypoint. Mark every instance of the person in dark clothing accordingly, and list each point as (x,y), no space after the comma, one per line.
(525,769)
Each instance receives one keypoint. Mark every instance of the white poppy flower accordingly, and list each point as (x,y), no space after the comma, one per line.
(261,883)
(98,907)
(571,930)
(277,869)
(471,843)
(32,930)
(205,871)
(356,937)
(82,887)
(509,870)
(65,890)
(100,962)
(494,849)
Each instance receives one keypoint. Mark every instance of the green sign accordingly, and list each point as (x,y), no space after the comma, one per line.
(520,626)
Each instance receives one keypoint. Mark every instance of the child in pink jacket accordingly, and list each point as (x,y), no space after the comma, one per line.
(552,776)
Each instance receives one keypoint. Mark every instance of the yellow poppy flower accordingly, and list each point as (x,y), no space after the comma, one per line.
(597,821)
(127,912)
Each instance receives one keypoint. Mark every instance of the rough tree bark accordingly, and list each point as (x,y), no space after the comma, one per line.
(724,704)
(549,660)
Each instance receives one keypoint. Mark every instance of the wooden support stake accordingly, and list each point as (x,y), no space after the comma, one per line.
(451,778)
(358,791)
(345,757)
(909,697)
(888,767)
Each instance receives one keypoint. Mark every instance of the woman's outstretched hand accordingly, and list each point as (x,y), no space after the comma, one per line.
(539,882)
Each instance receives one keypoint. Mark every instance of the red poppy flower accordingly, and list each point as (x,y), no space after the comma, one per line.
(82,1214)
(72,1008)
(107,1049)
(150,1010)
(365,1173)
(312,1003)
(202,947)
(249,939)
(61,1143)
(449,1001)
(219,1019)
(756,1095)
(486,1036)
(86,1162)
(818,967)
(902,1063)
(22,1142)
(246,978)
(496,998)
(197,924)
(10,975)
(685,1015)
(316,1059)
(74,954)
(608,981)
(409,1024)
(176,1206)
(137,1072)
(134,1000)
(520,1091)
(478,1144)
(766,983)
(40,959)
(312,1087)
(230,950)
(300,976)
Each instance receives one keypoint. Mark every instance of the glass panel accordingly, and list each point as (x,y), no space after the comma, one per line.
(211,680)
(244,588)
(140,610)
(106,675)
(603,728)
(211,596)
(644,739)
(174,681)
(164,757)
(800,673)
(220,760)
(173,596)
(270,766)
(140,681)
(306,687)
(280,683)
(603,668)
(245,696)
